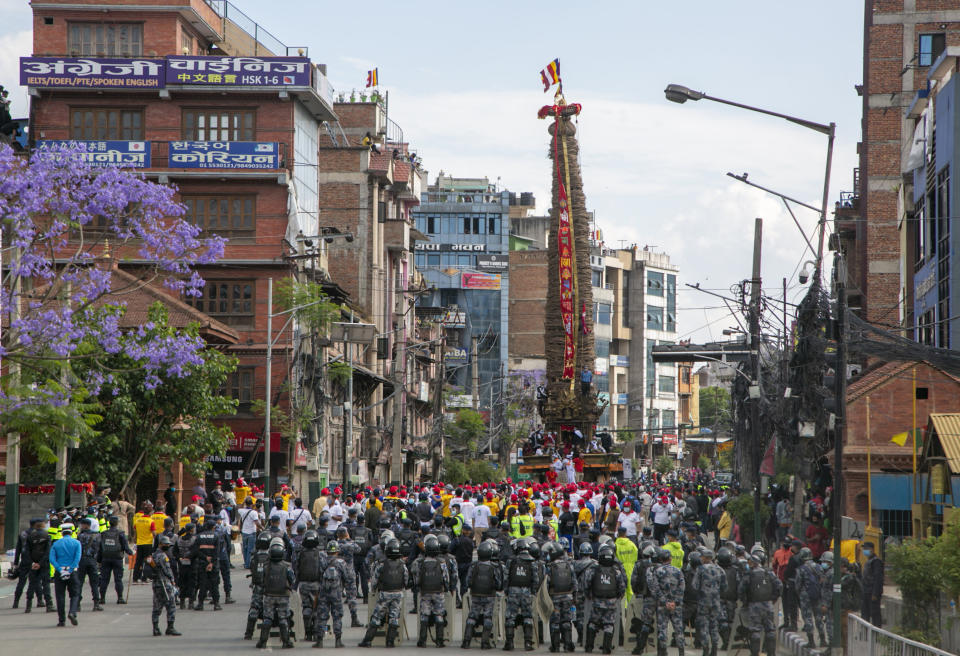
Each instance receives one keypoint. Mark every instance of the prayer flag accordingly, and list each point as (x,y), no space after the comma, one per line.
(372,78)
(550,75)
(899,439)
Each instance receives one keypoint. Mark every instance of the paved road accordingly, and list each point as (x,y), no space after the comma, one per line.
(126,630)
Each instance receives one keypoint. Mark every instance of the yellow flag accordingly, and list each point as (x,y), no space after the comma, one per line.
(900,439)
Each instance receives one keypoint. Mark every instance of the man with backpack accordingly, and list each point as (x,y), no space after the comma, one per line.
(278,580)
(809,585)
(562,586)
(336,578)
(389,579)
(484,579)
(89,557)
(759,588)
(432,577)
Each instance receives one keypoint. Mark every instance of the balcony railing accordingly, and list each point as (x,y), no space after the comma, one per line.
(263,44)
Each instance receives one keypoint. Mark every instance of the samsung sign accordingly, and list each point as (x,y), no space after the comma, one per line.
(493,262)
(472,248)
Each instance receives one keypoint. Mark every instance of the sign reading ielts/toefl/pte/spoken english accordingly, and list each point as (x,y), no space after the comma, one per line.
(72,72)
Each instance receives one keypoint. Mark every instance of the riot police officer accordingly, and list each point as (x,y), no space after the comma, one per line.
(484,579)
(667,585)
(389,579)
(638,583)
(759,588)
(258,563)
(205,558)
(89,567)
(307,572)
(562,586)
(522,581)
(432,578)
(605,584)
(278,580)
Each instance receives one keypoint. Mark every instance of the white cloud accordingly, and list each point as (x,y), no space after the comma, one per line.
(655,174)
(13,46)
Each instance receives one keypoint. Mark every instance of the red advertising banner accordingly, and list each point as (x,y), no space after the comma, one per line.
(565,251)
(245,441)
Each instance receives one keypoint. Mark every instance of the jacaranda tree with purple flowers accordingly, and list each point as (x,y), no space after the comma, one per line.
(63,224)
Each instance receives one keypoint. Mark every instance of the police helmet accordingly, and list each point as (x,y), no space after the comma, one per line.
(805,554)
(548,512)
(565,544)
(594,532)
(552,551)
(342,530)
(405,521)
(649,551)
(352,512)
(646,543)
(604,539)
(753,560)
(333,547)
(113,520)
(164,541)
(606,555)
(393,549)
(277,552)
(504,525)
(438,520)
(383,523)
(311,539)
(485,551)
(706,553)
(423,496)
(693,559)
(724,557)
(519,545)
(741,550)
(324,517)
(168,522)
(444,542)
(827,557)
(431,545)
(664,556)
(533,549)
(586,549)
(189,527)
(263,541)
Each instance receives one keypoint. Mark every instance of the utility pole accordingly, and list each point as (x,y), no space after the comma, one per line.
(475,371)
(399,380)
(755,290)
(839,433)
(12,499)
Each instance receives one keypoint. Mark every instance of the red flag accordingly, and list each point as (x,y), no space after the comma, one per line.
(767,467)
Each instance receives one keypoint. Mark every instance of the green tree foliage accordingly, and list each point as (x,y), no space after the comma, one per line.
(465,432)
(315,310)
(704,462)
(741,507)
(715,409)
(665,464)
(138,422)
(917,567)
(456,471)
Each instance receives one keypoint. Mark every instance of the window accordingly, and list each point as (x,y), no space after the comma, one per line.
(667,384)
(433,259)
(239,386)
(218,124)
(221,213)
(227,300)
(654,317)
(655,283)
(922,393)
(669,418)
(625,301)
(91,124)
(186,43)
(596,278)
(653,418)
(685,375)
(671,325)
(931,47)
(105,39)
(602,348)
(603,313)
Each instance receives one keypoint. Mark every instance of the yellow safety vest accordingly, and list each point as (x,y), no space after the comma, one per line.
(521,526)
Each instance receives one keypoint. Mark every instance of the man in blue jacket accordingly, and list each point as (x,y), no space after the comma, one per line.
(65,558)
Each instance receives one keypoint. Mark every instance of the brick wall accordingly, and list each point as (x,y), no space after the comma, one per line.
(528,300)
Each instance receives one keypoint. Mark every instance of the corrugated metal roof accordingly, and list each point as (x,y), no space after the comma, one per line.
(947,428)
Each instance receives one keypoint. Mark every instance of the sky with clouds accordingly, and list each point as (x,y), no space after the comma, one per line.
(464,86)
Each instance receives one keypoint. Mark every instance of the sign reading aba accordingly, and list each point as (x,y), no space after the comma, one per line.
(224,155)
(133,154)
(239,71)
(78,72)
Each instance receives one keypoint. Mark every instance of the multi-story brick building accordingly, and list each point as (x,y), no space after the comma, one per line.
(177,89)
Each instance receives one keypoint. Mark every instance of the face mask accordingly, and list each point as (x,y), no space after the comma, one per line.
(746,568)
(825,565)
(867,552)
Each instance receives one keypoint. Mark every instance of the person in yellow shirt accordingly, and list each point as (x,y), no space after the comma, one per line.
(491,502)
(143,530)
(242,490)
(626,552)
(675,548)
(725,524)
(584,515)
(287,494)
(445,497)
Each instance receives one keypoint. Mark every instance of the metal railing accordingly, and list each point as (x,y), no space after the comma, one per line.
(227,11)
(864,639)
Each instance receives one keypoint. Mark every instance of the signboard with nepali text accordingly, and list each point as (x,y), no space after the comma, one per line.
(135,154)
(224,155)
(238,71)
(247,440)
(74,72)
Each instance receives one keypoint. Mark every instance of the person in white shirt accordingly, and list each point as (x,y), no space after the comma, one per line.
(466,509)
(281,513)
(336,517)
(299,514)
(571,470)
(481,522)
(661,518)
(630,520)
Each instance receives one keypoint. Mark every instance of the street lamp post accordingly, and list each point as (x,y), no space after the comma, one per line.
(680,94)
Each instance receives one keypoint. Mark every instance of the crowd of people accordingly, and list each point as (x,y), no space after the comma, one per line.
(602,553)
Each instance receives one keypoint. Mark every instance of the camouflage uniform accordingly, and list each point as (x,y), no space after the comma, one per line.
(648,605)
(563,614)
(604,611)
(481,605)
(580,566)
(388,603)
(309,568)
(519,598)
(164,590)
(335,579)
(810,581)
(729,599)
(759,613)
(666,584)
(348,549)
(826,600)
(709,582)
(433,609)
